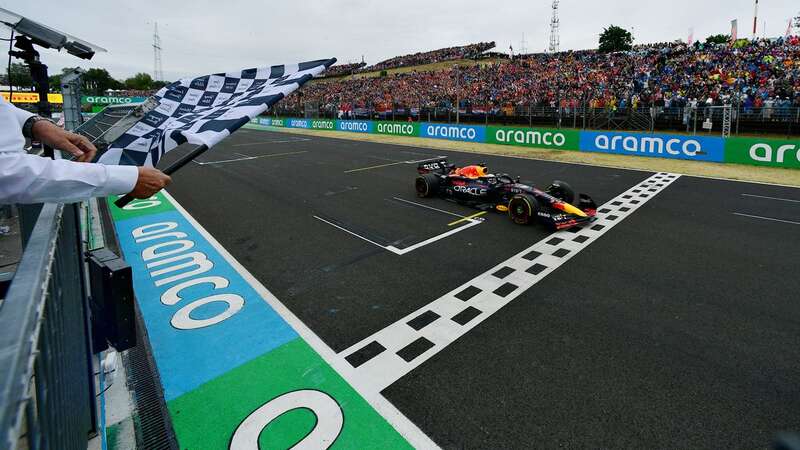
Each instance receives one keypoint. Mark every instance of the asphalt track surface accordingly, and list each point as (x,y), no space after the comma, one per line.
(678,328)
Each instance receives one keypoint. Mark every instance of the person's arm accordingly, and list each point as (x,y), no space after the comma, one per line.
(57,137)
(32,179)
(20,114)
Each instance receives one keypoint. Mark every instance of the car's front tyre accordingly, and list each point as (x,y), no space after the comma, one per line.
(522,209)
(562,191)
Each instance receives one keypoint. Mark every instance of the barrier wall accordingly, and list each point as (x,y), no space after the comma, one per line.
(763,152)
(694,148)
(753,151)
(529,137)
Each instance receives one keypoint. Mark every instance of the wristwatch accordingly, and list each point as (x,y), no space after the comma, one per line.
(27,127)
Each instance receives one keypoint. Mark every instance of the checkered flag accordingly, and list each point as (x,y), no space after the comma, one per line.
(206,110)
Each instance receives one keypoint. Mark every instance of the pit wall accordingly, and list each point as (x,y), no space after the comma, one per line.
(735,150)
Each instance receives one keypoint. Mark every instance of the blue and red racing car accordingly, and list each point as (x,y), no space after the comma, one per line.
(474,186)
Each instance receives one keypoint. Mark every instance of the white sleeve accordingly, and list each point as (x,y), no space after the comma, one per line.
(32,179)
(21,115)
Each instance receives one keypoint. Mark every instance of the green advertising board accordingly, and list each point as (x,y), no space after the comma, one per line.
(110,100)
(397,128)
(323,124)
(534,137)
(763,152)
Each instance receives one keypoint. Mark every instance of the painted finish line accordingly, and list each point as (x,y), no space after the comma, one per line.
(223,343)
(388,355)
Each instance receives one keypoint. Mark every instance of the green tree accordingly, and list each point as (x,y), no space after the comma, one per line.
(158,84)
(98,81)
(20,76)
(718,39)
(140,81)
(615,39)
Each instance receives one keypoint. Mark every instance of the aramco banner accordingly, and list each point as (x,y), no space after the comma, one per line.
(110,100)
(753,151)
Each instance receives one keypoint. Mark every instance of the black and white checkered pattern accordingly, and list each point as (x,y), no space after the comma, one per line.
(377,361)
(207,109)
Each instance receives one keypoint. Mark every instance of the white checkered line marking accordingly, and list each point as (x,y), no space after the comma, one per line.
(386,356)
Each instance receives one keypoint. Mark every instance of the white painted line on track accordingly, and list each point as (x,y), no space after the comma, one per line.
(771,198)
(350,232)
(402,251)
(400,422)
(771,219)
(383,358)
(380,166)
(247,158)
(286,141)
(427,207)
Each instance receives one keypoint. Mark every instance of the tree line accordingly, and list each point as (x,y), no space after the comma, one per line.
(95,81)
(618,39)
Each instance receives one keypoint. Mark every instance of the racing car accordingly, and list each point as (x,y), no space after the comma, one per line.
(473,185)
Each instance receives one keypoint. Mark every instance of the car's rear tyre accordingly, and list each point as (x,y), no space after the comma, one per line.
(426,185)
(562,191)
(522,209)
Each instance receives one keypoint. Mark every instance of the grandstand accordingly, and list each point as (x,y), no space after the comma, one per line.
(587,88)
(443,54)
(763,73)
(343,69)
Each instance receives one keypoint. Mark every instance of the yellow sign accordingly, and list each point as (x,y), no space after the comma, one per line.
(33,97)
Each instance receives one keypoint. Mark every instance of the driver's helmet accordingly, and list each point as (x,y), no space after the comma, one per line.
(475,171)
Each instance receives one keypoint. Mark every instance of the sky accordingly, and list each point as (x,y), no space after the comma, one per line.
(207,36)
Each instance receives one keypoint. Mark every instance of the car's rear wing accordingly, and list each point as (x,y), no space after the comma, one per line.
(438,165)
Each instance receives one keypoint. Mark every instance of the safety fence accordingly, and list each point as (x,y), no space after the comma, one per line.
(47,395)
(738,150)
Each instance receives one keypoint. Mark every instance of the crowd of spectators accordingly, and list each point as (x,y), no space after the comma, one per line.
(130,92)
(434,56)
(761,73)
(343,69)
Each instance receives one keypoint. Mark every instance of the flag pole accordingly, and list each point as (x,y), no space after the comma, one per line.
(127,198)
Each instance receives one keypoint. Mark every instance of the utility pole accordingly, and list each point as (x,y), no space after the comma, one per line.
(555,41)
(158,70)
(458,84)
(755,21)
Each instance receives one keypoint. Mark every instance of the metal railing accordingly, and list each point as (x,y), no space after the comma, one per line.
(776,120)
(47,394)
